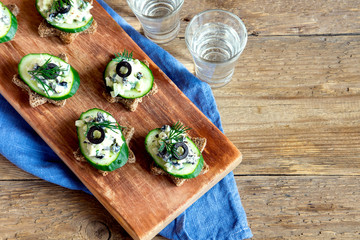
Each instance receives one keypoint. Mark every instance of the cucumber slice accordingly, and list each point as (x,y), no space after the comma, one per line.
(74,27)
(116,160)
(8,31)
(147,79)
(43,7)
(189,170)
(28,62)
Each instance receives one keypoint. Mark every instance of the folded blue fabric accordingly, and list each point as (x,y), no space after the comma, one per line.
(217,215)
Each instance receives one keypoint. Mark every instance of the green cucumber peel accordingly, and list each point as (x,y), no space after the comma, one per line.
(70,28)
(194,170)
(130,94)
(10,34)
(119,160)
(74,84)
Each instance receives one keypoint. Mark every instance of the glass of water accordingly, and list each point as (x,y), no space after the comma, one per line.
(215,39)
(159,18)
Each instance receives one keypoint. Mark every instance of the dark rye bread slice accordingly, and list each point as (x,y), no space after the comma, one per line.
(200,144)
(46,30)
(14,9)
(131,104)
(35,99)
(128,133)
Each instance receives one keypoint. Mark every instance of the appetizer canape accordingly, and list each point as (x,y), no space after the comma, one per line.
(65,18)
(128,80)
(102,141)
(8,22)
(47,78)
(175,153)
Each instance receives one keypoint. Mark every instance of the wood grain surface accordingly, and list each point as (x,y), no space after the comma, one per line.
(292,109)
(147,203)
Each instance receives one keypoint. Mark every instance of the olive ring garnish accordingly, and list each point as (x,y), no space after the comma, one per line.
(90,135)
(175,152)
(126,65)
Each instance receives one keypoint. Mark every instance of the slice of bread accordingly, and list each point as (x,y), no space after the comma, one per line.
(130,104)
(14,9)
(46,30)
(35,99)
(128,133)
(200,144)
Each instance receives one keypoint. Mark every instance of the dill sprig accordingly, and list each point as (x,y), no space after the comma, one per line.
(48,72)
(176,132)
(59,4)
(121,56)
(44,72)
(44,85)
(105,124)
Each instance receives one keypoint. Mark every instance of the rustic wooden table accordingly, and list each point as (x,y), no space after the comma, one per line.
(292,108)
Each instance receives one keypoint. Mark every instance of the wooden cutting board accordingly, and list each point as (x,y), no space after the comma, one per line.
(142,203)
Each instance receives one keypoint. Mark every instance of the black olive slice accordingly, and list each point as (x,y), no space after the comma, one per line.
(126,65)
(65,8)
(54,74)
(175,152)
(90,135)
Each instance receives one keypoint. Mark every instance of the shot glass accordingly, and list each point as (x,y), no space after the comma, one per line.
(159,18)
(215,39)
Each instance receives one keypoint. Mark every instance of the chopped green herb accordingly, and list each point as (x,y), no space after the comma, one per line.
(45,72)
(105,124)
(121,56)
(83,5)
(175,133)
(58,4)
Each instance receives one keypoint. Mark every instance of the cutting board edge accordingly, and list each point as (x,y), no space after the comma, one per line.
(157,229)
(65,158)
(118,217)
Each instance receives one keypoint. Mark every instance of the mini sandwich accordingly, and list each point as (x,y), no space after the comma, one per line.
(128,81)
(47,78)
(102,141)
(175,154)
(8,22)
(65,19)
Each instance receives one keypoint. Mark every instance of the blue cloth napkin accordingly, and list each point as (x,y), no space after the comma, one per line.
(216,215)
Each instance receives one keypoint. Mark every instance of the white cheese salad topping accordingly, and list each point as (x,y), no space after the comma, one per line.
(4,18)
(79,10)
(171,161)
(50,76)
(121,84)
(112,141)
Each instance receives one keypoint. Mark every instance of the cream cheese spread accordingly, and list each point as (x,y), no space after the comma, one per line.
(113,138)
(4,18)
(58,84)
(79,11)
(132,82)
(172,162)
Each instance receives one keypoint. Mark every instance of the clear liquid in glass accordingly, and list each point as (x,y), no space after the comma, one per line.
(216,46)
